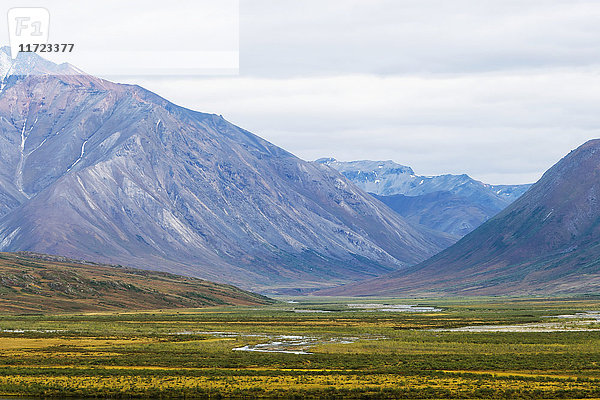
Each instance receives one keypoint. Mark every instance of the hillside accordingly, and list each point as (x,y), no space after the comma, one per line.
(113,173)
(546,242)
(40,283)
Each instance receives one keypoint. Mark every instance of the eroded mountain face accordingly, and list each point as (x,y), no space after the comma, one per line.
(114,173)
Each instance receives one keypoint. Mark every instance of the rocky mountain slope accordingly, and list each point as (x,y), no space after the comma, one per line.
(39,283)
(114,173)
(455,204)
(546,242)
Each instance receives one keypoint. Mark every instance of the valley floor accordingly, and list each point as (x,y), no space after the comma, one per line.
(312,348)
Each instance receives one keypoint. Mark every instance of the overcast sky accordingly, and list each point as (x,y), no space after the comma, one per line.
(500,90)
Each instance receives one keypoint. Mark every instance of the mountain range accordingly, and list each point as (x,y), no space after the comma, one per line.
(454,204)
(114,173)
(546,242)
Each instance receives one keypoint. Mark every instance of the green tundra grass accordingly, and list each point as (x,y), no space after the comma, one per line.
(336,352)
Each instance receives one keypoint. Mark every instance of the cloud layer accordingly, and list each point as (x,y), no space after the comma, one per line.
(498,90)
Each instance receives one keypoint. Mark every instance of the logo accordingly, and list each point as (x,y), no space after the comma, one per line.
(27,25)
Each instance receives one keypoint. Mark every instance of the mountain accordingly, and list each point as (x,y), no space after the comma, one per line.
(546,242)
(41,283)
(455,204)
(113,173)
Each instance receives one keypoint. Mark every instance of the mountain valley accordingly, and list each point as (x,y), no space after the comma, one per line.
(546,242)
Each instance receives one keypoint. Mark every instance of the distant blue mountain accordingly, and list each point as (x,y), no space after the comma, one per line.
(455,204)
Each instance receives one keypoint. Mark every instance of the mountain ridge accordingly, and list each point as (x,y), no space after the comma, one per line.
(464,202)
